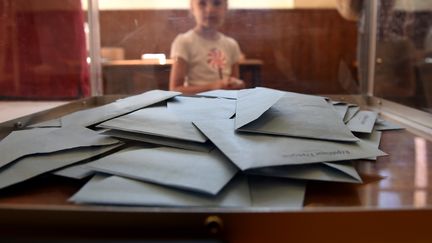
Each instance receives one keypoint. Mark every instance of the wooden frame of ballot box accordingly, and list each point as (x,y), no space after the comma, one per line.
(394,204)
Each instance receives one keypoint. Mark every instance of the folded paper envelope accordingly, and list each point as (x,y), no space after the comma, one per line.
(78,172)
(248,150)
(157,121)
(33,166)
(190,170)
(292,114)
(83,170)
(373,139)
(252,103)
(351,112)
(334,172)
(197,108)
(47,124)
(220,93)
(124,191)
(240,192)
(268,192)
(363,121)
(23,143)
(157,140)
(120,107)
(383,125)
(341,109)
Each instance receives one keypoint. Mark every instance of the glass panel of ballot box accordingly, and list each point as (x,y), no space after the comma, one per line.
(328,138)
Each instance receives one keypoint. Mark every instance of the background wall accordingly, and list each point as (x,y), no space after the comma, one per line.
(234,4)
(301,48)
(42,50)
(415,5)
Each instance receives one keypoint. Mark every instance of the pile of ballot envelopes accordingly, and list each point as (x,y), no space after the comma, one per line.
(249,148)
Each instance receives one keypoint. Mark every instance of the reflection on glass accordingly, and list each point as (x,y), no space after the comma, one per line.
(388,199)
(42,50)
(421,172)
(386,183)
(298,56)
(421,167)
(420,198)
(42,42)
(402,72)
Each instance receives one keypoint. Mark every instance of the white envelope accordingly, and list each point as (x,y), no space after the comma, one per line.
(335,172)
(48,140)
(120,107)
(363,122)
(157,121)
(341,109)
(291,114)
(190,170)
(241,192)
(124,191)
(384,125)
(220,93)
(35,165)
(170,142)
(252,103)
(351,112)
(197,108)
(373,139)
(48,124)
(248,150)
(78,172)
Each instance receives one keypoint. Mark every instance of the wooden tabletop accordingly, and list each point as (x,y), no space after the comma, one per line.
(155,62)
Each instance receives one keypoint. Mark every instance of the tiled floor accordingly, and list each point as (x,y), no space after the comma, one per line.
(14,109)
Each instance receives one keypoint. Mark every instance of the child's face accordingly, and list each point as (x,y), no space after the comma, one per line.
(209,13)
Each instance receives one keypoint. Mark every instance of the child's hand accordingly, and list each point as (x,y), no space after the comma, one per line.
(235,83)
(230,83)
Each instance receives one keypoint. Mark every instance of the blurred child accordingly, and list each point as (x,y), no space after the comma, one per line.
(205,59)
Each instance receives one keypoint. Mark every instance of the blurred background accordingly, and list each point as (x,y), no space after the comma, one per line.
(295,45)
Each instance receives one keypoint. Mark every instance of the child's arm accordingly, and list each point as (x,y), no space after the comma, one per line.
(235,70)
(178,74)
(234,81)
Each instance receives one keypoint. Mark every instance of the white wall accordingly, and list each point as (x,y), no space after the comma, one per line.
(414,5)
(315,4)
(184,4)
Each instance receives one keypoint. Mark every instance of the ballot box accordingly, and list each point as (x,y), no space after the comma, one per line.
(394,194)
(329,140)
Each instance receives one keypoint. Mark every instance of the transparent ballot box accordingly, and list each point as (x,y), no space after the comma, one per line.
(325,84)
